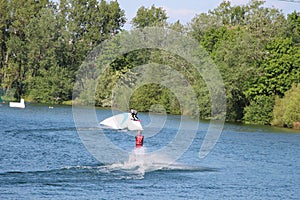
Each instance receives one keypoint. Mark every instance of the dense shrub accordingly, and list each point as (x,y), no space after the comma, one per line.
(287,109)
(260,110)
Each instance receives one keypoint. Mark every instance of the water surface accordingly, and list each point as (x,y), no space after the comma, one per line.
(42,157)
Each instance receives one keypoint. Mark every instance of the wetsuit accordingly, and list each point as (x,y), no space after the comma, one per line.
(134,114)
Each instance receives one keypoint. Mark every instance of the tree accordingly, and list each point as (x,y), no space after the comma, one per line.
(64,46)
(260,110)
(213,37)
(19,13)
(230,15)
(279,70)
(236,56)
(202,23)
(240,39)
(45,80)
(41,39)
(149,17)
(293,26)
(264,23)
(4,34)
(52,86)
(90,23)
(287,109)
(178,27)
(155,95)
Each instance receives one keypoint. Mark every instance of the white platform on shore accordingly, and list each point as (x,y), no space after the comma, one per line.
(20,104)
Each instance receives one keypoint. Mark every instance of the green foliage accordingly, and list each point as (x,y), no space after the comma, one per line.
(122,72)
(52,86)
(178,27)
(249,45)
(90,23)
(146,96)
(287,109)
(260,110)
(213,37)
(256,49)
(41,42)
(234,56)
(293,26)
(278,70)
(41,39)
(149,17)
(16,18)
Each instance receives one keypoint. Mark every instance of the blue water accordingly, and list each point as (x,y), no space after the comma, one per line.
(42,157)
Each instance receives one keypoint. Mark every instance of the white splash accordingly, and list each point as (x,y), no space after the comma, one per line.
(139,161)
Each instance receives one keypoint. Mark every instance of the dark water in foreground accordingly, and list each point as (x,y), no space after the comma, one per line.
(42,157)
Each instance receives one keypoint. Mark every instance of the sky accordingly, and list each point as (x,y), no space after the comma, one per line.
(185,10)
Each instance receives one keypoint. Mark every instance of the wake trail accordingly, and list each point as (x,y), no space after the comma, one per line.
(139,162)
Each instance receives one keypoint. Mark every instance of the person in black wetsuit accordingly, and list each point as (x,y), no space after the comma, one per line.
(134,114)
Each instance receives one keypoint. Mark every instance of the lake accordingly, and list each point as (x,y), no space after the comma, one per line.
(43,157)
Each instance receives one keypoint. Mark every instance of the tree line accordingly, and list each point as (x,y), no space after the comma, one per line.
(43,43)
(256,49)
